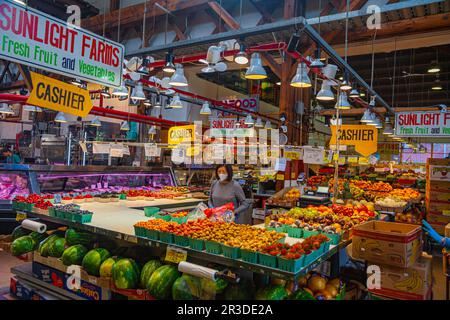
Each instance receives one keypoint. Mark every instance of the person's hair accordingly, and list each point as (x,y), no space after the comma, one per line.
(229,169)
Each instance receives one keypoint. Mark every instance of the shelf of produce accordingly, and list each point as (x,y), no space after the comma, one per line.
(116,220)
(24,272)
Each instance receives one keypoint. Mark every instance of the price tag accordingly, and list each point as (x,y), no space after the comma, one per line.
(99,185)
(280,176)
(116,152)
(21,216)
(280,164)
(151,150)
(93,186)
(57,198)
(175,255)
(105,185)
(352,159)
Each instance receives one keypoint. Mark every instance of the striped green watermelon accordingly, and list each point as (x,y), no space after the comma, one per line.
(241,291)
(147,271)
(93,260)
(44,244)
(19,232)
(161,281)
(125,274)
(74,237)
(57,247)
(271,293)
(37,237)
(22,245)
(186,287)
(106,267)
(74,255)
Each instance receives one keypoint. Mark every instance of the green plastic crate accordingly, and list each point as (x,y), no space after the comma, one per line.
(324,247)
(181,240)
(166,237)
(291,265)
(139,231)
(231,252)
(15,205)
(179,220)
(26,206)
(151,234)
(81,218)
(213,247)
(310,258)
(197,244)
(334,237)
(295,232)
(151,211)
(163,217)
(249,256)
(122,196)
(267,260)
(52,211)
(307,233)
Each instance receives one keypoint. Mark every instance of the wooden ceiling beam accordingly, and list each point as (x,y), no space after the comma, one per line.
(273,65)
(266,16)
(224,15)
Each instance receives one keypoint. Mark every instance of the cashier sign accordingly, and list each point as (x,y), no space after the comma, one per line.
(59,96)
(364,138)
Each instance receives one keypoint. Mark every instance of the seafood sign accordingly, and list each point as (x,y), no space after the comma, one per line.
(422,124)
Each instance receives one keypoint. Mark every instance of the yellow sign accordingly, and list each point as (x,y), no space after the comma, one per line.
(341,160)
(175,255)
(363,160)
(293,155)
(352,159)
(280,176)
(364,138)
(21,216)
(192,151)
(59,96)
(181,134)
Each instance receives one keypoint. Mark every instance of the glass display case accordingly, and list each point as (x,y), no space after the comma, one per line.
(196,179)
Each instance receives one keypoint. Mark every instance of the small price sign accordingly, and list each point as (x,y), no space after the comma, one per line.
(175,255)
(20,216)
(280,176)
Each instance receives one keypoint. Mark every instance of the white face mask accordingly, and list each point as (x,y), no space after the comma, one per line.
(223,176)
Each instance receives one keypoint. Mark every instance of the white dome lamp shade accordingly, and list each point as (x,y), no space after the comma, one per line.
(249,120)
(105,92)
(158,103)
(31,108)
(366,118)
(374,121)
(124,126)
(378,124)
(95,122)
(325,93)
(301,78)
(205,110)
(6,109)
(256,71)
(60,117)
(138,92)
(259,123)
(178,79)
(343,103)
(148,102)
(169,67)
(317,63)
(152,130)
(76,82)
(176,102)
(354,93)
(241,57)
(268,125)
(122,91)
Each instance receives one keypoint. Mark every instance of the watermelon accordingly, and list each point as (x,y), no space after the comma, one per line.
(271,293)
(125,274)
(57,247)
(161,281)
(22,245)
(242,291)
(106,267)
(19,232)
(186,287)
(212,288)
(74,237)
(93,260)
(44,244)
(147,271)
(74,255)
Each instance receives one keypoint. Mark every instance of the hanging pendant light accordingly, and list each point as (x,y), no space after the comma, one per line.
(122,91)
(95,122)
(241,57)
(124,126)
(317,62)
(6,109)
(259,123)
(434,67)
(144,69)
(256,71)
(178,79)
(343,103)
(354,93)
(301,78)
(362,94)
(105,92)
(138,92)
(169,67)
(374,121)
(152,130)
(205,110)
(373,102)
(148,102)
(158,103)
(60,117)
(325,93)
(176,102)
(31,108)
(268,125)
(345,85)
(366,118)
(388,131)
(378,124)
(436,85)
(249,120)
(76,82)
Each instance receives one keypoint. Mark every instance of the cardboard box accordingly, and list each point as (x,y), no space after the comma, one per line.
(60,279)
(20,290)
(395,244)
(412,283)
(447,230)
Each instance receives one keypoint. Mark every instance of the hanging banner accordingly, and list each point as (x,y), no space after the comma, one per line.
(250,103)
(59,96)
(364,138)
(422,124)
(312,155)
(181,134)
(226,127)
(36,39)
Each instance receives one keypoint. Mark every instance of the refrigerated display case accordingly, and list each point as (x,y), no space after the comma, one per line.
(196,179)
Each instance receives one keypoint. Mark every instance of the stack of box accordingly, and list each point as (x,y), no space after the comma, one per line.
(438,193)
(396,267)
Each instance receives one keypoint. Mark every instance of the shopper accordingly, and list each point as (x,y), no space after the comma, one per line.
(10,157)
(225,190)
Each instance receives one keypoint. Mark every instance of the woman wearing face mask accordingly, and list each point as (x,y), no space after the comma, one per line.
(224,190)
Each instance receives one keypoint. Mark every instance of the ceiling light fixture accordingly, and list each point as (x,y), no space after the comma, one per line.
(60,117)
(256,71)
(259,123)
(325,93)
(354,93)
(122,91)
(434,67)
(176,102)
(301,78)
(241,57)
(6,109)
(178,79)
(249,120)
(138,92)
(436,85)
(169,67)
(343,103)
(95,122)
(268,125)
(205,110)
(31,108)
(76,82)
(366,118)
(105,92)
